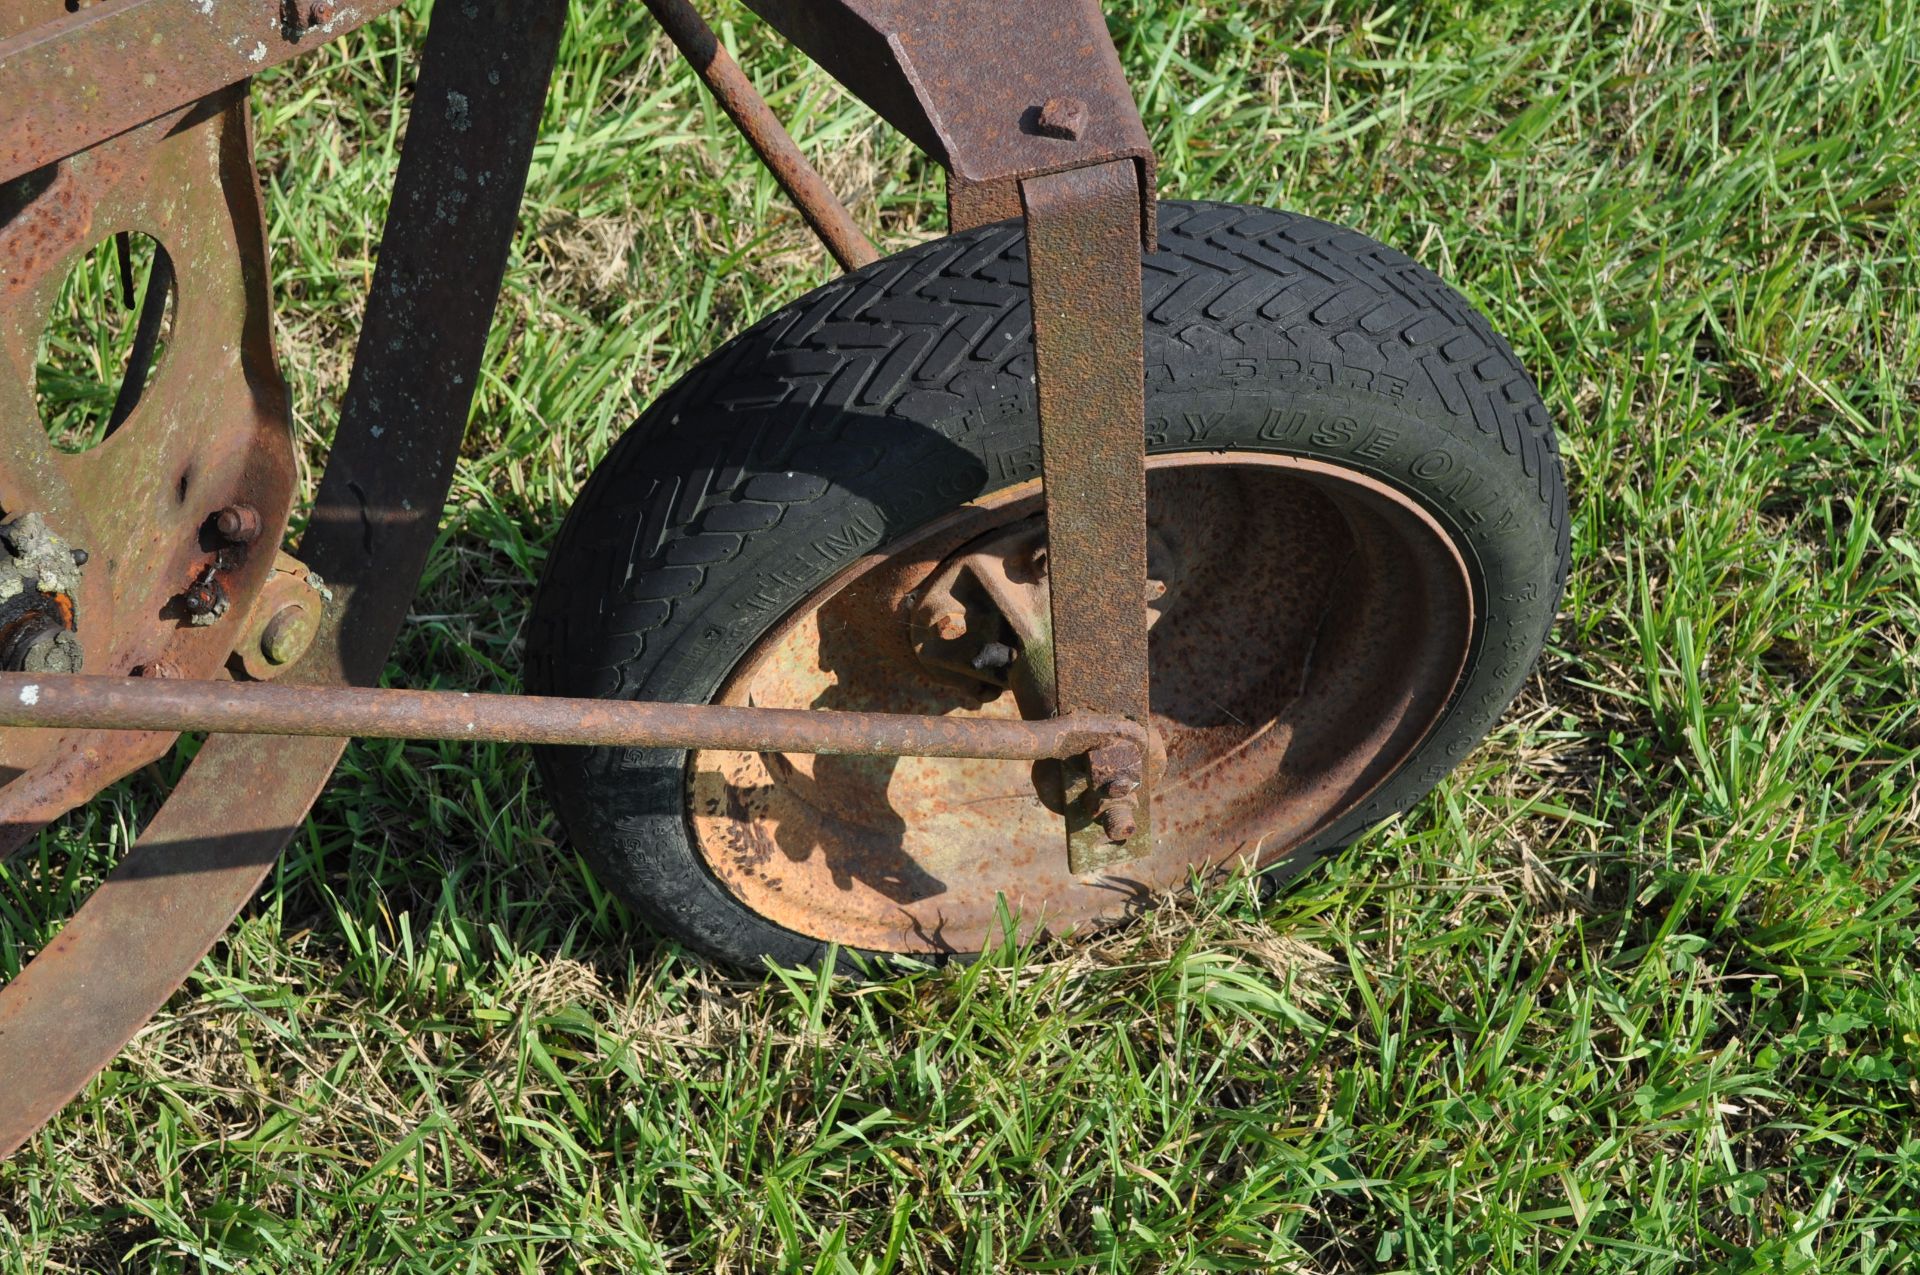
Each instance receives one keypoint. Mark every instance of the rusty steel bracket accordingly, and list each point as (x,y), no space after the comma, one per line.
(211,431)
(996,92)
(1083,228)
(101,69)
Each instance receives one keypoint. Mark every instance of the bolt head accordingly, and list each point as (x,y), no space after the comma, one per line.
(1062,117)
(238,523)
(287,635)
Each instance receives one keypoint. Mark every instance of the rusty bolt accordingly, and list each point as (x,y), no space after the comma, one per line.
(319,13)
(238,523)
(1062,117)
(287,635)
(950,624)
(1119,820)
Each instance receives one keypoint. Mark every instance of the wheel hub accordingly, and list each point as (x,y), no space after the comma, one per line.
(1309,624)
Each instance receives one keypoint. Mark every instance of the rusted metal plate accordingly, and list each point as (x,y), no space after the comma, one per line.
(1313,624)
(210,432)
(970,81)
(477,99)
(1082,227)
(74,76)
(133,703)
(758,124)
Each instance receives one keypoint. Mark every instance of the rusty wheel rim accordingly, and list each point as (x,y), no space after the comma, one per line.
(1314,624)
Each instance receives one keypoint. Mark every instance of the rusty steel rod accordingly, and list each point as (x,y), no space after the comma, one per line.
(764,132)
(263,708)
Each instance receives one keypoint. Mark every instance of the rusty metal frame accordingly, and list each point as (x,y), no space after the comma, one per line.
(997,92)
(374,520)
(219,436)
(1027,109)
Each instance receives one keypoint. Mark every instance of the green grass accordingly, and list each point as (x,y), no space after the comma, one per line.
(1637,990)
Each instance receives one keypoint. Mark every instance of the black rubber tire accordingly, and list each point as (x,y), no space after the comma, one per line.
(889,396)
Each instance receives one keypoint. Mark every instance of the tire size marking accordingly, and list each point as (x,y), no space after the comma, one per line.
(778,586)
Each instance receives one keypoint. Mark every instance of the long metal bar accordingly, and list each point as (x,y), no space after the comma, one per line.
(483,77)
(1083,236)
(83,76)
(267,708)
(762,129)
